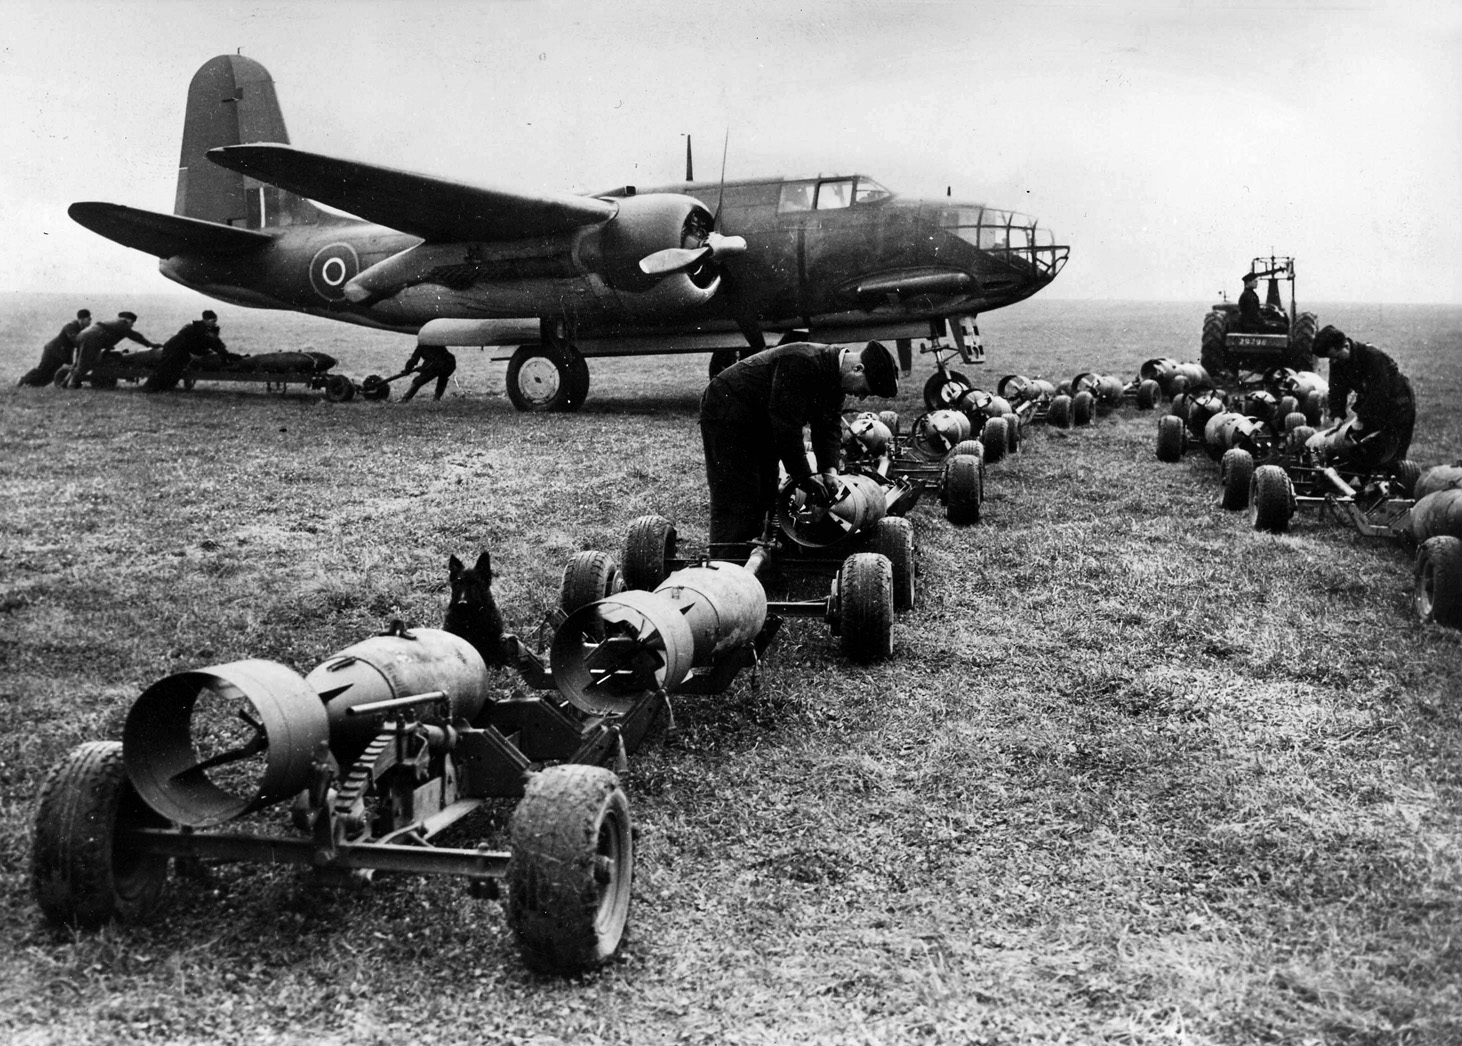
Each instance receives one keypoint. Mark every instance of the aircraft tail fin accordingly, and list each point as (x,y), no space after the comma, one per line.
(164,235)
(231,101)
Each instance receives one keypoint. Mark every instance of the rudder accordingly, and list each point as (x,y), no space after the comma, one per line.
(231,101)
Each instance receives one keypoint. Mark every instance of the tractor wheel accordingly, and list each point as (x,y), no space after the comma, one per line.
(1236,473)
(1083,407)
(1059,413)
(943,388)
(1293,420)
(1438,591)
(83,871)
(572,868)
(1214,357)
(893,538)
(1407,474)
(1170,435)
(538,379)
(1148,394)
(995,441)
(590,576)
(1302,342)
(338,388)
(1314,407)
(865,607)
(1272,499)
(648,548)
(963,489)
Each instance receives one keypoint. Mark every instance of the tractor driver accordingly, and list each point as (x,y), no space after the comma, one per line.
(1250,321)
(1385,408)
(752,416)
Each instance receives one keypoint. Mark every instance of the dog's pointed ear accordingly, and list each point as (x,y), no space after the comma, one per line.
(484,566)
(454,567)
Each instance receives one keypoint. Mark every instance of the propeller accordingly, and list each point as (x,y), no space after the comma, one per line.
(683,259)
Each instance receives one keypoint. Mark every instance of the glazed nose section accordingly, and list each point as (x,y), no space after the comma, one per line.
(1047,255)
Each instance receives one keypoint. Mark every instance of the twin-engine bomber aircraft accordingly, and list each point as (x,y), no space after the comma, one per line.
(561,276)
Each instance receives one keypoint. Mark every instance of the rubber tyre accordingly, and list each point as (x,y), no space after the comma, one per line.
(1407,474)
(865,607)
(538,380)
(1083,407)
(1294,420)
(1149,392)
(967,446)
(590,576)
(1296,438)
(1059,413)
(933,400)
(1236,474)
(648,547)
(1170,438)
(1437,595)
(571,870)
(963,489)
(375,388)
(1287,406)
(1213,356)
(338,388)
(81,872)
(1302,343)
(994,440)
(1012,434)
(1271,499)
(893,538)
(578,372)
(62,375)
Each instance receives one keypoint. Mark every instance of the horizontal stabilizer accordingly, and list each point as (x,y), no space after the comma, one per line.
(164,235)
(435,209)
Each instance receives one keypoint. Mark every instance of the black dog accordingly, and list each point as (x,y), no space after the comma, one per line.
(472,612)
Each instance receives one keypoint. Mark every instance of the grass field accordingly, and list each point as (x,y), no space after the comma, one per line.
(1137,774)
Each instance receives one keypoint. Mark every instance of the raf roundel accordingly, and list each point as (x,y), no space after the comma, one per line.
(332,268)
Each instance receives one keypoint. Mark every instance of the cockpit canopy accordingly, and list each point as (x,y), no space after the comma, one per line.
(829,194)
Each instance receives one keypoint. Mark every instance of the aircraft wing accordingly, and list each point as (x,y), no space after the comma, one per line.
(164,235)
(435,209)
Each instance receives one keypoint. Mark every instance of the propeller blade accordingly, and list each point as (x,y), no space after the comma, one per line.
(726,246)
(673,259)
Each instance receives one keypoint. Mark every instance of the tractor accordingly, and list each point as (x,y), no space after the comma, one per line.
(1285,339)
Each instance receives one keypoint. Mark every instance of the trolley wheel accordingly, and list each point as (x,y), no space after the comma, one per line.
(1438,591)
(338,388)
(1012,434)
(1271,499)
(967,446)
(189,381)
(893,538)
(1059,413)
(571,869)
(1407,474)
(648,548)
(589,577)
(943,388)
(1170,436)
(865,607)
(84,870)
(1296,438)
(1287,406)
(1149,392)
(995,440)
(1293,420)
(1236,473)
(62,376)
(1083,407)
(375,388)
(963,489)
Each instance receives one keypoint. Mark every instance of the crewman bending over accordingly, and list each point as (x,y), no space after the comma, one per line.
(99,337)
(57,352)
(436,362)
(1385,407)
(752,416)
(196,338)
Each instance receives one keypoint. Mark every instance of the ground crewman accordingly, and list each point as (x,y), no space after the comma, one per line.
(99,337)
(436,362)
(57,352)
(196,338)
(1385,407)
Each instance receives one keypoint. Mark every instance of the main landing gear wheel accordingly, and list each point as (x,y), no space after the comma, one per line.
(571,869)
(84,871)
(589,577)
(893,538)
(865,607)
(543,378)
(1272,499)
(648,547)
(1438,592)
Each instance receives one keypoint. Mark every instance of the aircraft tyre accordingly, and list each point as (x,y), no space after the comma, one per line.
(1148,394)
(963,489)
(544,378)
(893,537)
(1059,413)
(1271,499)
(1438,592)
(1236,474)
(589,577)
(1170,430)
(865,607)
(81,873)
(995,440)
(571,869)
(648,547)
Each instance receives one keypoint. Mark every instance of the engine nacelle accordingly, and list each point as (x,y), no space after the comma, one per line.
(644,225)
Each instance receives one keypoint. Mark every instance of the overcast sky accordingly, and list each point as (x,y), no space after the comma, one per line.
(1166,142)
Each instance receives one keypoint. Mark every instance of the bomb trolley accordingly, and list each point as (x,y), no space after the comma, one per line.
(382,747)
(937,455)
